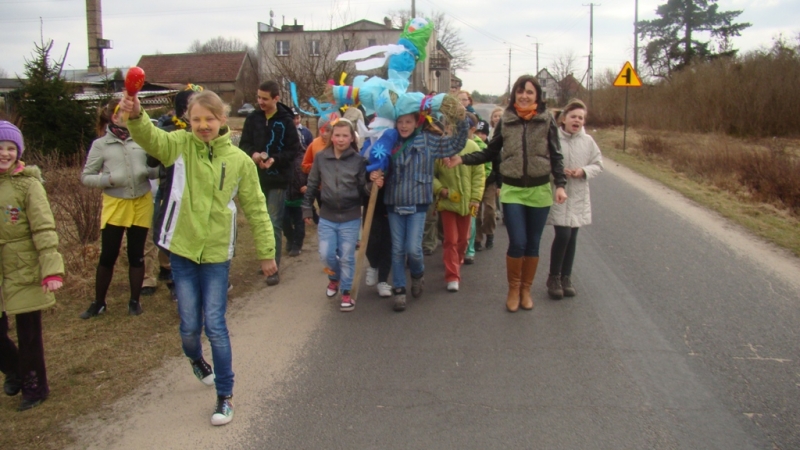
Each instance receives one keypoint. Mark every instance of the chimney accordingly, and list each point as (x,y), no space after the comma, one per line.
(387,21)
(94,25)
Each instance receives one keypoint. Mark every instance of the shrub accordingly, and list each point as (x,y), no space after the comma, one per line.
(752,95)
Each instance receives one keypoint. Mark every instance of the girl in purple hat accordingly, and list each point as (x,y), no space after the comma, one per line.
(31,269)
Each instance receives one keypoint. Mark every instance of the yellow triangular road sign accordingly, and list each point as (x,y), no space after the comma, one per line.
(627,77)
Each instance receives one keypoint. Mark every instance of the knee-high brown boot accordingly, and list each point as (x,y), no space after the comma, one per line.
(529,265)
(514,272)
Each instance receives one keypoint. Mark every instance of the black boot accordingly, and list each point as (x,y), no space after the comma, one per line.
(95,309)
(566,285)
(102,282)
(12,384)
(489,241)
(134,307)
(554,288)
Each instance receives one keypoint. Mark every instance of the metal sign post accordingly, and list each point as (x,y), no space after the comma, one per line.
(627,78)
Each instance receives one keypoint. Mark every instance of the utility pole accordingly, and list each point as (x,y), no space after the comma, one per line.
(415,72)
(636,36)
(537,51)
(590,72)
(509,73)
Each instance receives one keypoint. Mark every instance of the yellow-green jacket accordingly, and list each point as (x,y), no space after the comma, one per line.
(200,219)
(28,242)
(467,181)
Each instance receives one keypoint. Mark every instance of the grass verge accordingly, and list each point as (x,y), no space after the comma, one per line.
(663,156)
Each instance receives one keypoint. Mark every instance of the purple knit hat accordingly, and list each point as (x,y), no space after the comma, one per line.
(8,132)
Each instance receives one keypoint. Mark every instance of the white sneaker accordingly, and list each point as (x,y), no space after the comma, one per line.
(452,286)
(384,290)
(372,276)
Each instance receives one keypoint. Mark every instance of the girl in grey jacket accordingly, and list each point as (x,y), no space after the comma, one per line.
(339,177)
(582,161)
(118,165)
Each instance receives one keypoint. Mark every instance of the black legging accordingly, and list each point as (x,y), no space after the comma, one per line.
(379,247)
(110,243)
(562,253)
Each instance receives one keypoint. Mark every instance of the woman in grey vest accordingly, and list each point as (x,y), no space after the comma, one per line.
(526,137)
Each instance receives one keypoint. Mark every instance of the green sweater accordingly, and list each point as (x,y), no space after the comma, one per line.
(200,221)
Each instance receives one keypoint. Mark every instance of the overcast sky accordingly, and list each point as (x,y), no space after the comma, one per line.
(489,28)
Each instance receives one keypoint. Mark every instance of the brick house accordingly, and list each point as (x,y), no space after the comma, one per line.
(232,75)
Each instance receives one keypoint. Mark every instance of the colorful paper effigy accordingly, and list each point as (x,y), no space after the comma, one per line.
(386,98)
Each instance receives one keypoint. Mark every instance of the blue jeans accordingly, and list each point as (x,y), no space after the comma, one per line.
(276,207)
(202,291)
(337,249)
(524,225)
(407,233)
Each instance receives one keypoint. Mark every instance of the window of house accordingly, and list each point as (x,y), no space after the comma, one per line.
(372,42)
(282,48)
(544,96)
(346,45)
(543,81)
(314,47)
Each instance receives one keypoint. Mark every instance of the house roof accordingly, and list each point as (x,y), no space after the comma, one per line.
(441,47)
(199,68)
(571,83)
(364,25)
(545,73)
(10,83)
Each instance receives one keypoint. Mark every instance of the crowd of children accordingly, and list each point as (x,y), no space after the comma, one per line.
(451,172)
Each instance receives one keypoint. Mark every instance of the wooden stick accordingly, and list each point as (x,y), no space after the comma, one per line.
(362,251)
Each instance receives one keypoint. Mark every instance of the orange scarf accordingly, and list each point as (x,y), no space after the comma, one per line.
(525,113)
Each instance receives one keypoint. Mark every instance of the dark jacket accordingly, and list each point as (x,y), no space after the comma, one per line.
(299,179)
(278,137)
(305,138)
(531,151)
(341,184)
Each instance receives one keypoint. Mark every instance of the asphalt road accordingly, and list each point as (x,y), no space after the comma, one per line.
(674,341)
(683,336)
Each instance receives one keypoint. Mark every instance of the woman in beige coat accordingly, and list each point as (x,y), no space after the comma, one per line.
(582,161)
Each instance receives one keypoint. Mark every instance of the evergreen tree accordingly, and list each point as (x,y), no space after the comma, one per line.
(674,41)
(52,120)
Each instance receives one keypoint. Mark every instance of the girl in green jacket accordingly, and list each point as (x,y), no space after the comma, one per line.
(200,228)
(458,192)
(30,270)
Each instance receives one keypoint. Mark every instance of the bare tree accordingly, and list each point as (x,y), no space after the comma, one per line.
(563,65)
(309,64)
(447,33)
(219,44)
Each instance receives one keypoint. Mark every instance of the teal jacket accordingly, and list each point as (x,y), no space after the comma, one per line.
(200,220)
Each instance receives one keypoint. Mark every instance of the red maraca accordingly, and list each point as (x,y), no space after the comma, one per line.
(134,80)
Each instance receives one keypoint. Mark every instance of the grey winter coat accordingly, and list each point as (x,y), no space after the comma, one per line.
(580,151)
(124,163)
